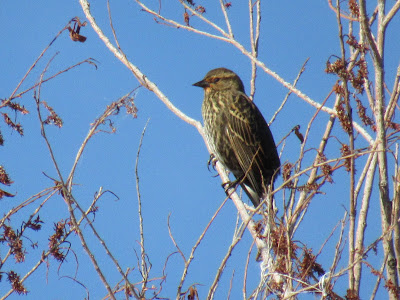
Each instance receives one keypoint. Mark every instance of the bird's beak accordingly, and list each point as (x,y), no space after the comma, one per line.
(203,83)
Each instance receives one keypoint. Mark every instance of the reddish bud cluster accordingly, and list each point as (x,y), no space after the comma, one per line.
(35,224)
(343,117)
(186,18)
(352,41)
(55,239)
(281,248)
(361,110)
(338,67)
(353,6)
(16,126)
(16,283)
(53,118)
(358,80)
(14,241)
(4,178)
(286,173)
(308,266)
(15,106)
(286,253)
(200,9)
(394,290)
(326,168)
(345,150)
(313,186)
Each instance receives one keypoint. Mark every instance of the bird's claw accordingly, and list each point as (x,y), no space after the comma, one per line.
(228,185)
(212,161)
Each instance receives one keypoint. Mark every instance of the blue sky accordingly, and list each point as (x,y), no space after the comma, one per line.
(173,174)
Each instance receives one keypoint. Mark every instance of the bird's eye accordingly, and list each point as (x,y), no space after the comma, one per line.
(215,80)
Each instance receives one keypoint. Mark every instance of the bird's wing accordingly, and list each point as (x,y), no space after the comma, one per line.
(252,141)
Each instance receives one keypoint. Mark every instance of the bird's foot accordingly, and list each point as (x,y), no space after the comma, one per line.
(231,184)
(212,161)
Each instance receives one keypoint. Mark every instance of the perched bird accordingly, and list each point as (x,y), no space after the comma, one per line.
(238,134)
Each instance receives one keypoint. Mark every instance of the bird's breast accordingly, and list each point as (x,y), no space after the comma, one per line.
(214,111)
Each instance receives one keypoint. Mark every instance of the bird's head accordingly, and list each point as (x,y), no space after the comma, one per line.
(221,79)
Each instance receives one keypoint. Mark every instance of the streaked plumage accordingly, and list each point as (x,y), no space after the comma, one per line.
(237,133)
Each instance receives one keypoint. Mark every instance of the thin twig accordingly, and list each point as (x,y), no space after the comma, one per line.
(142,247)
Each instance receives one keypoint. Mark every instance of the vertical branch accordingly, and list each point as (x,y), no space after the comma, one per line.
(349,130)
(145,269)
(396,208)
(362,219)
(379,114)
(254,38)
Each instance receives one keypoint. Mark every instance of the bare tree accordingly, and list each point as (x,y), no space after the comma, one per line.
(360,133)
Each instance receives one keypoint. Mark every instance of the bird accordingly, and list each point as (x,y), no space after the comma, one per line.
(238,135)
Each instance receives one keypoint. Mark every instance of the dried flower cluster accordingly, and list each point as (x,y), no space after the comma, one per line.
(325,168)
(361,110)
(53,118)
(15,126)
(345,150)
(4,178)
(343,117)
(355,10)
(14,106)
(286,173)
(55,239)
(16,283)
(14,241)
(302,266)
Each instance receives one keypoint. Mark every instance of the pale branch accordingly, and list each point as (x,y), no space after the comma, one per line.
(227,21)
(143,266)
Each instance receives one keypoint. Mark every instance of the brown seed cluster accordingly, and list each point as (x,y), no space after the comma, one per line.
(345,150)
(286,173)
(4,178)
(15,106)
(15,126)
(353,6)
(343,117)
(14,241)
(293,260)
(325,168)
(361,111)
(54,240)
(53,118)
(356,75)
(16,283)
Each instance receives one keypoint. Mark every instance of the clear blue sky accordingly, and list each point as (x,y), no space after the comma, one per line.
(173,174)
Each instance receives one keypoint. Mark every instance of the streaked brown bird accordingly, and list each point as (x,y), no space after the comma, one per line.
(238,133)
